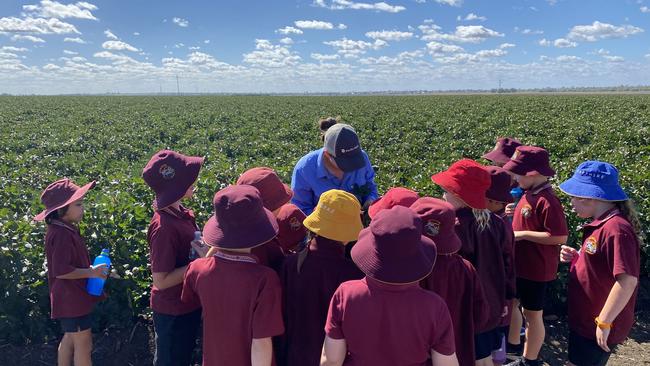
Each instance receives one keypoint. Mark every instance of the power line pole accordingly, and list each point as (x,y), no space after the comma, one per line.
(178,87)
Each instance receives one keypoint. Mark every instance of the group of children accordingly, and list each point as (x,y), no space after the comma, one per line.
(429,282)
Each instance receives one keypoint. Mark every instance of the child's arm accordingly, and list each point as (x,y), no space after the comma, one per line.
(261,352)
(438,359)
(98,271)
(334,352)
(618,297)
(541,237)
(163,280)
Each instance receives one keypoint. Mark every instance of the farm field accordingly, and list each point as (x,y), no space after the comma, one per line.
(408,138)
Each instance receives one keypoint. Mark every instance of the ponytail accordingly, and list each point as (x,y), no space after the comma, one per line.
(627,209)
(482,218)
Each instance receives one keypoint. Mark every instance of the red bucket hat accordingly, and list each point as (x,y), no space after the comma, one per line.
(500,186)
(170,175)
(438,223)
(274,193)
(393,250)
(292,231)
(468,180)
(60,194)
(396,196)
(240,220)
(530,160)
(503,150)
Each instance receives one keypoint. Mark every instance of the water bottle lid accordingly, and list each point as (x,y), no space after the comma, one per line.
(198,235)
(105,251)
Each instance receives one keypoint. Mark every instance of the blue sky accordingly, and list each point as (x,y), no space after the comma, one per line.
(97,46)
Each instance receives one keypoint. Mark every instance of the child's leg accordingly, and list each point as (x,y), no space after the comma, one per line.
(64,355)
(535,333)
(516,321)
(83,346)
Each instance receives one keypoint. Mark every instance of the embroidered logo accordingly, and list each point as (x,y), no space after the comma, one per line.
(526,211)
(167,172)
(345,151)
(294,224)
(432,227)
(591,245)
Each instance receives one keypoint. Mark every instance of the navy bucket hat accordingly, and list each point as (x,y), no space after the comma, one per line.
(596,180)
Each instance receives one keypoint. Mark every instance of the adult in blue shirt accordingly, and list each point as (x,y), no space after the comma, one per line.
(340,164)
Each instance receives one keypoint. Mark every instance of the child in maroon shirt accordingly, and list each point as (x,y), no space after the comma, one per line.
(540,228)
(604,273)
(172,229)
(68,268)
(453,278)
(486,243)
(240,298)
(387,318)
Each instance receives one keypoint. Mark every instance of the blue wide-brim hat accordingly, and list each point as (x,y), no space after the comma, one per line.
(595,180)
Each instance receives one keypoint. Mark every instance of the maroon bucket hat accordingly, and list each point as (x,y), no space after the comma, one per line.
(396,196)
(60,194)
(393,250)
(291,230)
(503,150)
(240,220)
(274,193)
(501,184)
(170,175)
(530,160)
(438,223)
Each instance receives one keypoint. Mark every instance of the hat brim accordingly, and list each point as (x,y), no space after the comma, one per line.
(496,156)
(281,201)
(343,232)
(172,195)
(521,169)
(575,188)
(250,235)
(447,244)
(393,270)
(79,194)
(506,198)
(450,185)
(350,163)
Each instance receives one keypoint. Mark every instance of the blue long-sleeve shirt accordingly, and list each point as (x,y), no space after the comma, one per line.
(310,179)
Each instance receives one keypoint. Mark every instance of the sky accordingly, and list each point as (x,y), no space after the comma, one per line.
(251,46)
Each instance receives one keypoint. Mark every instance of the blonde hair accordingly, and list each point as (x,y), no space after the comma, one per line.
(482,218)
(627,209)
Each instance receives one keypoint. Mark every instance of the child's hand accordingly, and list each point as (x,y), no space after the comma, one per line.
(567,254)
(505,311)
(601,338)
(510,209)
(99,271)
(200,248)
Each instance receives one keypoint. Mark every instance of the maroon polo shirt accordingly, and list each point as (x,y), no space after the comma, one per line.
(385,324)
(609,248)
(241,301)
(307,295)
(170,235)
(66,251)
(456,281)
(490,250)
(538,210)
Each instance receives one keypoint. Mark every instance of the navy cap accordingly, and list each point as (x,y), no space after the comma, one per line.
(342,143)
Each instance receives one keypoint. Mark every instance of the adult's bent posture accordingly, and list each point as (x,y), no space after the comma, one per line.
(340,164)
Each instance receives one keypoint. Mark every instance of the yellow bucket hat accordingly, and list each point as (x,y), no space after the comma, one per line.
(337,216)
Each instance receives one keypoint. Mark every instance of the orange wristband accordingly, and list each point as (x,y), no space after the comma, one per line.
(602,325)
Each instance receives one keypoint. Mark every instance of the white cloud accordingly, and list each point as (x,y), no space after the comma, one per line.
(437,48)
(614,58)
(194,48)
(289,30)
(179,45)
(346,4)
(53,9)
(529,31)
(352,49)
(598,31)
(471,16)
(207,41)
(267,54)
(74,40)
(51,67)
(118,46)
(7,55)
(36,25)
(20,37)
(462,58)
(463,34)
(565,58)
(320,57)
(136,33)
(13,49)
(119,59)
(286,40)
(645,9)
(110,34)
(507,45)
(313,24)
(67,52)
(544,42)
(342,26)
(389,35)
(181,22)
(564,43)
(456,3)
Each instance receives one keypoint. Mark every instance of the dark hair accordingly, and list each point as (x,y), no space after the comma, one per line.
(325,123)
(56,214)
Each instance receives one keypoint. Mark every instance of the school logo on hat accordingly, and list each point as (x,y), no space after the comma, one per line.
(591,245)
(167,172)
(295,224)
(526,211)
(432,227)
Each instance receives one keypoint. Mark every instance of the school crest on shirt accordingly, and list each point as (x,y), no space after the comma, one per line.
(167,172)
(432,227)
(294,224)
(526,211)
(591,245)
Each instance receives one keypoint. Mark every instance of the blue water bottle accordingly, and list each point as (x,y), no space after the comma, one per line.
(96,285)
(516,193)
